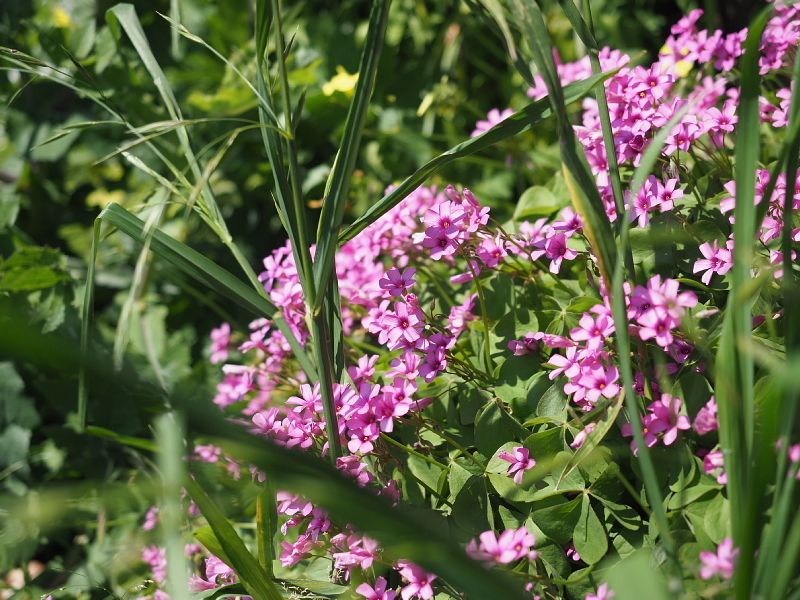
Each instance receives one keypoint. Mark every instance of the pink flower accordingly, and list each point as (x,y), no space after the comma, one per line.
(419,581)
(397,283)
(580,438)
(151,519)
(723,562)
(714,462)
(717,260)
(520,462)
(493,118)
(512,545)
(378,592)
(706,419)
(603,593)
(220,340)
(667,418)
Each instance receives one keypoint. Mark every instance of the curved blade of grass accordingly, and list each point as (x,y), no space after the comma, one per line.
(266,527)
(125,15)
(533,113)
(205,271)
(338,185)
(401,533)
(250,573)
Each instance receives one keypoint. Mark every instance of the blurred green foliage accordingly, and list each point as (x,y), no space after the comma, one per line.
(61,132)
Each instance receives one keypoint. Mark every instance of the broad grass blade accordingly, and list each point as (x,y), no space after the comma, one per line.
(250,573)
(533,113)
(735,366)
(169,435)
(338,185)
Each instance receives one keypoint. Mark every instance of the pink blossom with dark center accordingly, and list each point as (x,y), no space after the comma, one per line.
(443,219)
(657,323)
(593,331)
(668,418)
(717,260)
(397,283)
(599,381)
(406,323)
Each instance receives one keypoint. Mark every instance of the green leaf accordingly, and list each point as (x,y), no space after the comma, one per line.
(32,268)
(602,427)
(471,506)
(207,537)
(559,522)
(554,402)
(590,537)
(515,376)
(536,202)
(718,519)
(494,426)
(15,407)
(250,573)
(635,577)
(530,115)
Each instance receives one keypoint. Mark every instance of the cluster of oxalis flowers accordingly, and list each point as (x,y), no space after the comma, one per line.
(403,346)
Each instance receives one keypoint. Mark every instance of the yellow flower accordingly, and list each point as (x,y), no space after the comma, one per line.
(682,67)
(61,18)
(341,82)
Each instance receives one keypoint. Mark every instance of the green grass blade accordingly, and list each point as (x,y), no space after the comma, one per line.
(585,196)
(300,238)
(266,527)
(125,15)
(250,573)
(773,548)
(205,271)
(735,365)
(338,185)
(170,438)
(87,318)
(533,113)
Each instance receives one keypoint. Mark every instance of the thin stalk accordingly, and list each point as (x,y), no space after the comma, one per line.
(484,318)
(321,341)
(455,444)
(413,452)
(303,246)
